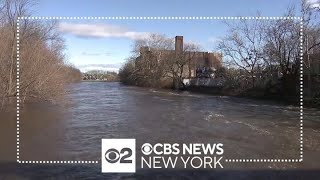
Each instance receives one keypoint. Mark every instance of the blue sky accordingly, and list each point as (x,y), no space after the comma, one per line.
(106,43)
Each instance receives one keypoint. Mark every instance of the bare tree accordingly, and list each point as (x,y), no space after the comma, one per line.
(310,16)
(273,46)
(243,46)
(155,62)
(178,64)
(127,72)
(149,53)
(43,70)
(282,45)
(11,10)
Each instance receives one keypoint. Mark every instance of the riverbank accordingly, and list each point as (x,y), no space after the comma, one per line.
(257,95)
(98,81)
(254,94)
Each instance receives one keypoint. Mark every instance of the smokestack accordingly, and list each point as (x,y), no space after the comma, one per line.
(179,44)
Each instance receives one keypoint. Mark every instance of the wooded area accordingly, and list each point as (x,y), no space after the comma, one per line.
(43,70)
(260,57)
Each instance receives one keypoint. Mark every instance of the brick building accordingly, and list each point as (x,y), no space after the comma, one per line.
(196,61)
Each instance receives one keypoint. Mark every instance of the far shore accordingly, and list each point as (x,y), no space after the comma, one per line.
(312,103)
(98,81)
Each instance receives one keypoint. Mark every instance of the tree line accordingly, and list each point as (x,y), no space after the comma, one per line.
(268,53)
(43,70)
(259,55)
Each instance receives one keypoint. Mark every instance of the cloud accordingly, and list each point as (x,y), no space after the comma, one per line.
(100,31)
(214,40)
(118,65)
(95,54)
(314,3)
(104,67)
(192,43)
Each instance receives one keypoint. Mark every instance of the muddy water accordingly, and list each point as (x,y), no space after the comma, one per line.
(247,128)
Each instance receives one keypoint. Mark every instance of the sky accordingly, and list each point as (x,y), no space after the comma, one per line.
(105,44)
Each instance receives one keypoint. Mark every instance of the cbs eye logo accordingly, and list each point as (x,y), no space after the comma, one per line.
(118,155)
(113,155)
(146,149)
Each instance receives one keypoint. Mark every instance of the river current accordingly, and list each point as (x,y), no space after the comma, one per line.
(249,129)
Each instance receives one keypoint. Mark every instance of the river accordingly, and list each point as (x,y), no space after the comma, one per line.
(249,129)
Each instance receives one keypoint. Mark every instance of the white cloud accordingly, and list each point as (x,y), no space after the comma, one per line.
(100,31)
(214,40)
(89,68)
(314,3)
(96,54)
(192,43)
(103,67)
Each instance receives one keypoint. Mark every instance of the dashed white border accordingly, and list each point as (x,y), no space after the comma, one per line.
(301,89)
(18,114)
(18,89)
(164,18)
(300,159)
(59,162)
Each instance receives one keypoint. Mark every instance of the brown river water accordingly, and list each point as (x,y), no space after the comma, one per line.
(249,129)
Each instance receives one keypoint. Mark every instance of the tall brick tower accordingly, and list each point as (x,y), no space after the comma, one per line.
(179,44)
